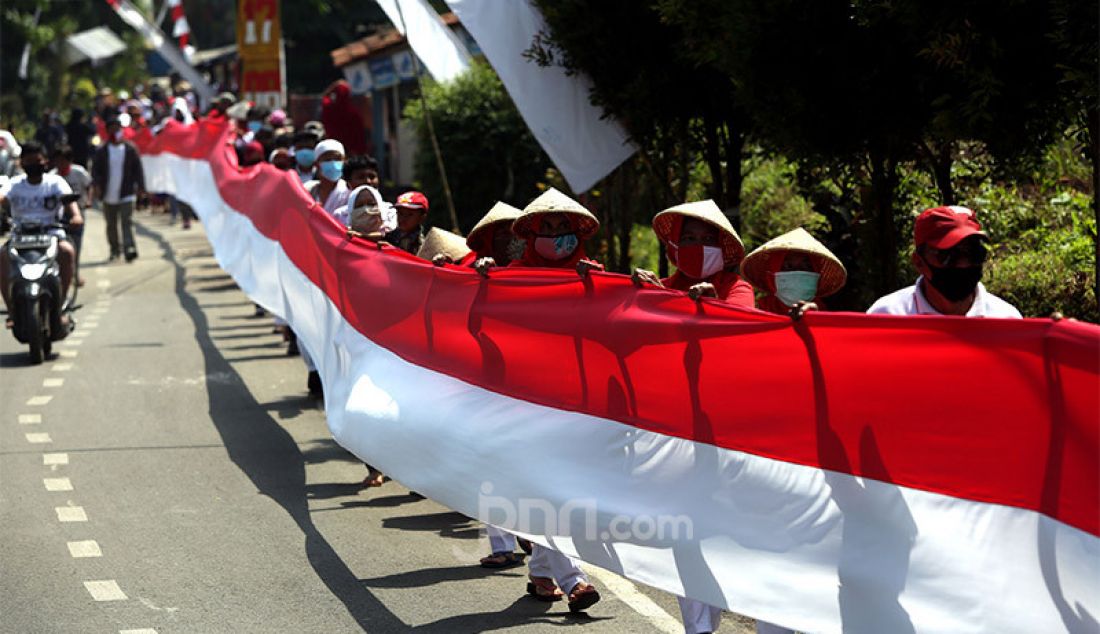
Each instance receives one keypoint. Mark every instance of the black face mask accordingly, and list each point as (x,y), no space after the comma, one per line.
(955,283)
(34,170)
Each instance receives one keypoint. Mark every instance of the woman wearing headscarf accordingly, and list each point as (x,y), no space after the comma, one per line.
(705,249)
(342,119)
(794,271)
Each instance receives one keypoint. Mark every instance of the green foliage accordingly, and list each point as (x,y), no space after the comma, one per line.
(771,203)
(489,152)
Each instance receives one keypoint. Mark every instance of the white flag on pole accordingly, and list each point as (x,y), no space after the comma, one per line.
(583,146)
(433,41)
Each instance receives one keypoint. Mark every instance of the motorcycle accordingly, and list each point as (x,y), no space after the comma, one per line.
(37,306)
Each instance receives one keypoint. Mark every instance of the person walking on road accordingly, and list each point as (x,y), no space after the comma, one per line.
(118,178)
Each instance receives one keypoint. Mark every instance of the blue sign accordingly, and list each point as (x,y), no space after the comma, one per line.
(383,73)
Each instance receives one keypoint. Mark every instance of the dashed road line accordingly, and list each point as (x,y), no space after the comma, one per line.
(71,514)
(30,419)
(35,401)
(105,590)
(53,382)
(62,367)
(68,354)
(103,283)
(69,341)
(85,548)
(79,334)
(54,459)
(57,484)
(38,438)
(144,630)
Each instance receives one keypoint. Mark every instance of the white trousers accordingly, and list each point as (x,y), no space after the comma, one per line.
(699,617)
(500,541)
(563,569)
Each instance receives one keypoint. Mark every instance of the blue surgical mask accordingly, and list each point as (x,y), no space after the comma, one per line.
(332,170)
(796,286)
(305,157)
(255,126)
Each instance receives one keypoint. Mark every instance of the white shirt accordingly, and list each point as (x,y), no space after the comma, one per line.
(41,203)
(337,198)
(78,179)
(116,160)
(911,301)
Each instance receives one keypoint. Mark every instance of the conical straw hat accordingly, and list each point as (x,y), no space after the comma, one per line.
(443,242)
(552,201)
(833,275)
(499,213)
(669,221)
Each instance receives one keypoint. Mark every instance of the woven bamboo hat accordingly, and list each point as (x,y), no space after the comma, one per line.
(443,242)
(667,227)
(552,201)
(833,274)
(499,213)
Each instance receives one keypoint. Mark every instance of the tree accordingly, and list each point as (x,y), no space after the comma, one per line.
(489,152)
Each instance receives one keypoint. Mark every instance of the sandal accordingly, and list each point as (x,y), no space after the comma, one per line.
(544,589)
(525,545)
(503,559)
(374,479)
(582,597)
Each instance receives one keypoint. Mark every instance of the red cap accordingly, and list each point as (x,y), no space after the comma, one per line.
(944,227)
(412,200)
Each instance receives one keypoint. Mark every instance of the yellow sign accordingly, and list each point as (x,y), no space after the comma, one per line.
(260,49)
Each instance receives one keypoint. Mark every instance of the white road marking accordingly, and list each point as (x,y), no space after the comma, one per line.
(71,514)
(86,548)
(79,334)
(30,419)
(69,354)
(62,367)
(89,325)
(53,382)
(39,400)
(38,438)
(107,590)
(103,283)
(144,630)
(57,484)
(69,341)
(640,603)
(49,459)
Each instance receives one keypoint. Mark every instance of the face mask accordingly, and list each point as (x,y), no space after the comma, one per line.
(332,170)
(556,247)
(255,126)
(305,157)
(34,170)
(955,284)
(696,261)
(796,286)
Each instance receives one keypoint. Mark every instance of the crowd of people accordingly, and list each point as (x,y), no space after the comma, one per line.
(790,275)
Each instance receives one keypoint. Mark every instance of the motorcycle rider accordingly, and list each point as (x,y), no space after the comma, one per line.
(37,197)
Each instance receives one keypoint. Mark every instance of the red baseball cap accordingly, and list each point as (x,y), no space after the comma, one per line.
(412,200)
(944,227)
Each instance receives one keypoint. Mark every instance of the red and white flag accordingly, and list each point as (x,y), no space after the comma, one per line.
(844,472)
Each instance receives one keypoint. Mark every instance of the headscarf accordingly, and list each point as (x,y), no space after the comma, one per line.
(179,107)
(342,119)
(389,214)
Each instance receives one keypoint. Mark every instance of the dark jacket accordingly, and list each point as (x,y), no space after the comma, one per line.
(133,177)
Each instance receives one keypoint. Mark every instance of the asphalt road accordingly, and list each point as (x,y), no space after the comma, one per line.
(167,472)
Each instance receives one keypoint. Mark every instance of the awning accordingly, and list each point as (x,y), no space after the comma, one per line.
(94,44)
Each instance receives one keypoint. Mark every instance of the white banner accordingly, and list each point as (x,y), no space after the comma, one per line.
(583,146)
(432,40)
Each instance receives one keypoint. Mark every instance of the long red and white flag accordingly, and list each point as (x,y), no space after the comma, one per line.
(841,473)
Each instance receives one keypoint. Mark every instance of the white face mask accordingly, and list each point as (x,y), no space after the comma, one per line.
(796,286)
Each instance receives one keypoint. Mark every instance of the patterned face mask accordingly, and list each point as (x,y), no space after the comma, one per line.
(696,260)
(556,248)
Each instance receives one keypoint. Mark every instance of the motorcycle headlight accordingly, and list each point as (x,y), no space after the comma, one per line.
(32,271)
